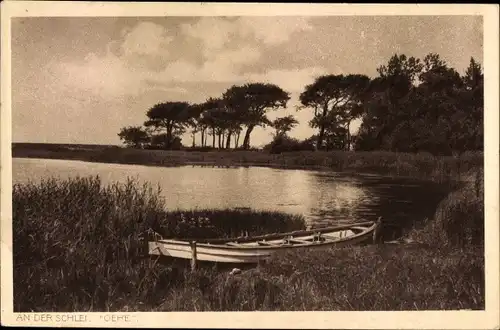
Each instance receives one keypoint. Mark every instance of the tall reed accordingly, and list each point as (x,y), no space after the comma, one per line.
(79,245)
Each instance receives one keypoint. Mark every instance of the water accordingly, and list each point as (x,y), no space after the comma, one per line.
(321,197)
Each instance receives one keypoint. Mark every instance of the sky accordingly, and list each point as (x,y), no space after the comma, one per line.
(79,80)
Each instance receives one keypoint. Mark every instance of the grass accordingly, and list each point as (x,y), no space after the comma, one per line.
(419,165)
(459,218)
(199,224)
(368,278)
(81,246)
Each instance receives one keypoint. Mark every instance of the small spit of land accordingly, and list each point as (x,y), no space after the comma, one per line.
(82,246)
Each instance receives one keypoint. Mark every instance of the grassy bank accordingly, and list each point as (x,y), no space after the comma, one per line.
(349,279)
(80,246)
(459,218)
(378,162)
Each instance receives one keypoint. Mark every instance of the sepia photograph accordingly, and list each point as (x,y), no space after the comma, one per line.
(230,162)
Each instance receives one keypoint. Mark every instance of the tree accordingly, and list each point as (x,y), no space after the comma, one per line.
(333,97)
(423,106)
(334,131)
(350,112)
(134,136)
(384,106)
(194,121)
(472,98)
(436,108)
(168,117)
(401,67)
(212,117)
(206,121)
(437,76)
(283,125)
(473,77)
(232,125)
(223,120)
(335,138)
(250,102)
(237,132)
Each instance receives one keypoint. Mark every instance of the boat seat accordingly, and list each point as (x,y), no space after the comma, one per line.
(359,228)
(235,244)
(268,244)
(299,241)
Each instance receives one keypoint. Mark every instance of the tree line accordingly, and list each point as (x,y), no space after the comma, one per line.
(412,105)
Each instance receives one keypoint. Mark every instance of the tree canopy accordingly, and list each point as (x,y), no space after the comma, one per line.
(435,110)
(335,100)
(251,103)
(411,105)
(283,125)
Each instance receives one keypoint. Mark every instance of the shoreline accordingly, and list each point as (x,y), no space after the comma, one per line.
(235,165)
(440,169)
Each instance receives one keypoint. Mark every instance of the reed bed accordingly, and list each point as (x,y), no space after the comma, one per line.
(80,245)
(206,223)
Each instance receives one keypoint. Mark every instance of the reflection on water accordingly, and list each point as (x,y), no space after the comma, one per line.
(322,197)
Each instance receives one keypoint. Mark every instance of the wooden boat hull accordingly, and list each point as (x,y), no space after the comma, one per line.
(251,251)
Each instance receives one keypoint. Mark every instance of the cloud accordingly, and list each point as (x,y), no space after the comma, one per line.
(226,66)
(235,57)
(272,30)
(213,32)
(184,72)
(216,33)
(110,77)
(226,46)
(146,38)
(106,76)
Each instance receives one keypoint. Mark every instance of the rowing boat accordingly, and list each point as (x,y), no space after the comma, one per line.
(257,248)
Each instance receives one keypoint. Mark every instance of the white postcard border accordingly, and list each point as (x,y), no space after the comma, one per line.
(488,319)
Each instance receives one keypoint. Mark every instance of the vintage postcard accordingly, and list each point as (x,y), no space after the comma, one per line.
(246,165)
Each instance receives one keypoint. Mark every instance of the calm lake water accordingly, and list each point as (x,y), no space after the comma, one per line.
(322,197)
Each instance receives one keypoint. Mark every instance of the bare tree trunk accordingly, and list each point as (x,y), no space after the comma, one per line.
(202,137)
(219,140)
(228,140)
(322,128)
(194,139)
(348,135)
(169,134)
(237,140)
(246,140)
(213,138)
(319,143)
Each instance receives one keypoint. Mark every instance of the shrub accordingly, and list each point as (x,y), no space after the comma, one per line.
(283,143)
